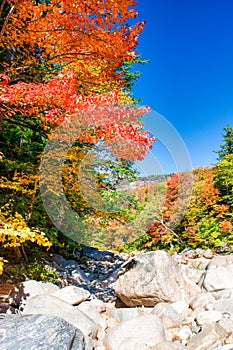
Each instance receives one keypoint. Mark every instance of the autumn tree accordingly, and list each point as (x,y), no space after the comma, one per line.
(197,210)
(224,180)
(39,39)
(91,38)
(64,62)
(207,222)
(164,228)
(57,102)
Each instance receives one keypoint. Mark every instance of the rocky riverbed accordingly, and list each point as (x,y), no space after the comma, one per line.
(142,300)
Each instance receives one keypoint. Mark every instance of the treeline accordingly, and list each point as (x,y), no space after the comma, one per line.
(197,207)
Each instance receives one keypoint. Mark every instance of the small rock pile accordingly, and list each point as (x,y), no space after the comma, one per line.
(183,301)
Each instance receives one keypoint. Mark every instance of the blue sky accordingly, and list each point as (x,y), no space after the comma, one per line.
(189,79)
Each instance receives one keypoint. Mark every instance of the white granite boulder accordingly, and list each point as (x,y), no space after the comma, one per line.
(155,277)
(72,294)
(219,274)
(28,289)
(146,330)
(168,315)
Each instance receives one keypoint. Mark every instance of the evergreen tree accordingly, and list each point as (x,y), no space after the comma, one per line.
(227,146)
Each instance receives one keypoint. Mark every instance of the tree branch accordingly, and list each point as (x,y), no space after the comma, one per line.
(8,16)
(28,126)
(2,7)
(169,229)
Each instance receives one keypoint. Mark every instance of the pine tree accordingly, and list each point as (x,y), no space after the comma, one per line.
(227,146)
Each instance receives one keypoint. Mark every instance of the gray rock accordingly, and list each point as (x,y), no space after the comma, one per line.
(89,343)
(69,265)
(39,332)
(72,294)
(74,270)
(59,259)
(79,275)
(155,277)
(94,253)
(95,271)
(146,329)
(50,305)
(168,315)
(219,274)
